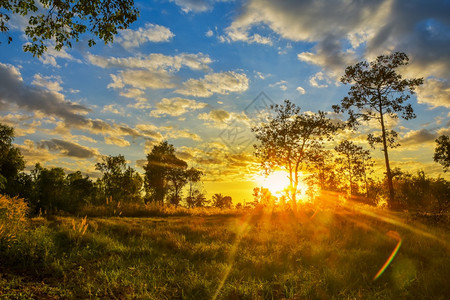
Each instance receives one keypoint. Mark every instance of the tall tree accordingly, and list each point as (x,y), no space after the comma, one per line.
(289,139)
(442,152)
(377,91)
(64,21)
(163,172)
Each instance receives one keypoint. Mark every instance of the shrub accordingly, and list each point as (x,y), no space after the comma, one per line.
(13,213)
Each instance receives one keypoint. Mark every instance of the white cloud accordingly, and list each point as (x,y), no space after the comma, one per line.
(176,106)
(434,93)
(281,84)
(301,90)
(209,33)
(319,80)
(219,83)
(51,83)
(150,33)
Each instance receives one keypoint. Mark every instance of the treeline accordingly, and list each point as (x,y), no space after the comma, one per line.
(166,180)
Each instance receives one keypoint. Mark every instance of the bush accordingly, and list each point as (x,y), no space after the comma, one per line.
(13,213)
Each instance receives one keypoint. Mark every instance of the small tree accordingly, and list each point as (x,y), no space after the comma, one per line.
(354,162)
(442,152)
(220,201)
(289,140)
(378,92)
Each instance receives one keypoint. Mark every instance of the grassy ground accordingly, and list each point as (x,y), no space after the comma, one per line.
(315,254)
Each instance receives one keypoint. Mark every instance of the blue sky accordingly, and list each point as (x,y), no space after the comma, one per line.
(187,70)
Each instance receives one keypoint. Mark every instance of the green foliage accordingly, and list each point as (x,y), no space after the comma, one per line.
(422,193)
(166,175)
(442,152)
(119,182)
(68,20)
(255,255)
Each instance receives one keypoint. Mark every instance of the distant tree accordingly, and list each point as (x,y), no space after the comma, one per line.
(263,196)
(49,189)
(289,140)
(353,162)
(80,190)
(442,152)
(193,176)
(11,162)
(63,21)
(378,92)
(120,182)
(164,173)
(220,201)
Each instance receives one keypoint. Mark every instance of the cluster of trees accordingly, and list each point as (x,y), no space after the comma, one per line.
(165,180)
(295,142)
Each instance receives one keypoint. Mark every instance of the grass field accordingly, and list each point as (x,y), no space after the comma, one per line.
(328,253)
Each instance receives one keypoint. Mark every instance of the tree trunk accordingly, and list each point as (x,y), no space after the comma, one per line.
(386,159)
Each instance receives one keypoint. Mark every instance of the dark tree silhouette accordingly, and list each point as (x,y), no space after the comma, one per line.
(119,182)
(290,140)
(164,173)
(442,152)
(64,21)
(220,201)
(377,91)
(11,161)
(353,162)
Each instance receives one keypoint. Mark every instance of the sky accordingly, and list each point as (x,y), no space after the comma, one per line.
(200,73)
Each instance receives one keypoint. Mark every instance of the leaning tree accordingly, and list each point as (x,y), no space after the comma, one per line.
(379,92)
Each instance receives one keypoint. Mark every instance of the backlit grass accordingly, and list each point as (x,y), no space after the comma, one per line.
(255,255)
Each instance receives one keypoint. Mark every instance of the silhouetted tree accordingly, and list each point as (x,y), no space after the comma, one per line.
(80,190)
(120,182)
(288,141)
(11,162)
(220,201)
(164,172)
(377,92)
(63,21)
(49,190)
(442,152)
(193,176)
(353,162)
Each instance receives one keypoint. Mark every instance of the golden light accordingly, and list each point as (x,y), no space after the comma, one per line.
(277,183)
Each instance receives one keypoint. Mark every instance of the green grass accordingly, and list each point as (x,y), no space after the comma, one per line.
(254,255)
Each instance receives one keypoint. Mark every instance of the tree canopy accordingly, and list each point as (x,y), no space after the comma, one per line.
(290,140)
(65,21)
(442,152)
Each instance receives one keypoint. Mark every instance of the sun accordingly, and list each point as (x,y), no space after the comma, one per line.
(276,182)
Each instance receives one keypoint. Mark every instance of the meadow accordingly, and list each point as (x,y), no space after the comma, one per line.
(319,252)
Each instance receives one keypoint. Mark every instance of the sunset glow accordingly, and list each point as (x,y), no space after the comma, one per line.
(278,182)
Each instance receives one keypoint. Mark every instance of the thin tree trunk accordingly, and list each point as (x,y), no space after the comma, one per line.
(386,159)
